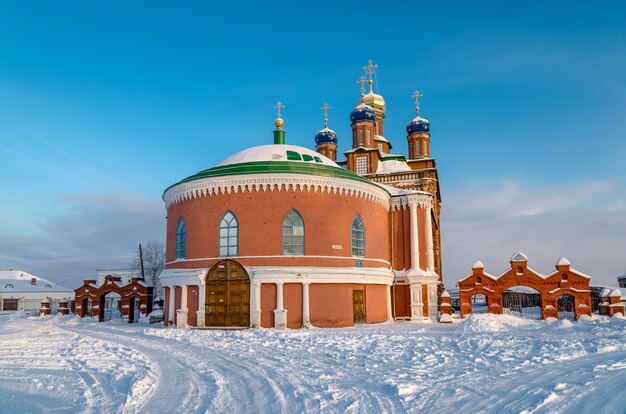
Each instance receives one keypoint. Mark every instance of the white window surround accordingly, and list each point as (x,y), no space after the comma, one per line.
(293,234)
(361,164)
(357,235)
(228,235)
(181,239)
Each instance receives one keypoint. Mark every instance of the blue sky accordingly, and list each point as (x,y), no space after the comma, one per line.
(104,105)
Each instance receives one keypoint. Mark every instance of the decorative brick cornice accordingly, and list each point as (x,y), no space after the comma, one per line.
(274,182)
(419,200)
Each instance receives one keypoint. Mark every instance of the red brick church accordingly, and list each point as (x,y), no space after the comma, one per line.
(283,236)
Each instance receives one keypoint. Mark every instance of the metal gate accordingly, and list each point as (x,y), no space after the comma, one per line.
(522,304)
(479,304)
(566,307)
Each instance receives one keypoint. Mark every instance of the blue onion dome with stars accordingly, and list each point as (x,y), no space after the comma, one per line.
(326,135)
(362,112)
(418,124)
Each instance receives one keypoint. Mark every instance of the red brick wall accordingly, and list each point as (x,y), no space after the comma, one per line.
(375,303)
(268,304)
(292,298)
(331,305)
(263,212)
(402,301)
(192,305)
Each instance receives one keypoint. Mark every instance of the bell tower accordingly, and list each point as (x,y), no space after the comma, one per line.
(326,138)
(418,133)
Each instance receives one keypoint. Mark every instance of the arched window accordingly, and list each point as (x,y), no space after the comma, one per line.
(358,237)
(181,239)
(293,234)
(8,286)
(229,235)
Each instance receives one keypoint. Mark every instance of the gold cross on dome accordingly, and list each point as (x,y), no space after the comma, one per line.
(278,107)
(370,69)
(417,96)
(326,108)
(362,81)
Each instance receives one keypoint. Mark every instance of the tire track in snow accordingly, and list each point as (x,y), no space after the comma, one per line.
(176,388)
(540,390)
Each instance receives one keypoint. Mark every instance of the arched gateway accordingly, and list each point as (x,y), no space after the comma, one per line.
(563,294)
(227,295)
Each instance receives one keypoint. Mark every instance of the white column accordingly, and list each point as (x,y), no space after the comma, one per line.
(172,304)
(183,311)
(306,317)
(200,313)
(255,305)
(389,311)
(430,251)
(415,243)
(280,314)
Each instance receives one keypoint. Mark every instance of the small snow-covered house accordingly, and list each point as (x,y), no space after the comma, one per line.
(21,291)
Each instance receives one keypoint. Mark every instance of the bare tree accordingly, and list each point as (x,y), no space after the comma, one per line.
(153,262)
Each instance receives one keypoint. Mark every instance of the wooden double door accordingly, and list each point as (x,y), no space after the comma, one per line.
(227,295)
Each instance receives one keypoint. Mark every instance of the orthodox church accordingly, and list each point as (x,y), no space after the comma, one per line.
(283,236)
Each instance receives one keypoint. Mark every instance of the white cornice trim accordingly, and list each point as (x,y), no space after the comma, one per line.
(420,200)
(287,274)
(274,182)
(280,256)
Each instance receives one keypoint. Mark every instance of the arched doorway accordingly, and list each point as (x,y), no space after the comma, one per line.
(522,301)
(110,306)
(133,310)
(85,308)
(227,295)
(479,303)
(566,307)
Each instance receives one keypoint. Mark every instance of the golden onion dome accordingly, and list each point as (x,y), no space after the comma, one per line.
(374,100)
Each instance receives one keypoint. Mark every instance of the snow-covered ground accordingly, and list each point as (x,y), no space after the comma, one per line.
(489,364)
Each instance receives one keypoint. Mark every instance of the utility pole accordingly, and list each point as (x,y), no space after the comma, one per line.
(143,276)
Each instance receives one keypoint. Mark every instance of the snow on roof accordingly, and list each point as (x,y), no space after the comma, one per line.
(445,294)
(20,281)
(392,165)
(478,265)
(605,292)
(522,289)
(563,262)
(398,191)
(16,275)
(615,293)
(380,138)
(519,257)
(273,152)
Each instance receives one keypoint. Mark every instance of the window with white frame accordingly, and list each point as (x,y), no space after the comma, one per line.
(369,138)
(293,234)
(358,237)
(360,137)
(417,148)
(361,164)
(181,239)
(229,235)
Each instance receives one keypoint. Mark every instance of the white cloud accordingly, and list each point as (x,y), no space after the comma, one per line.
(581,221)
(85,232)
